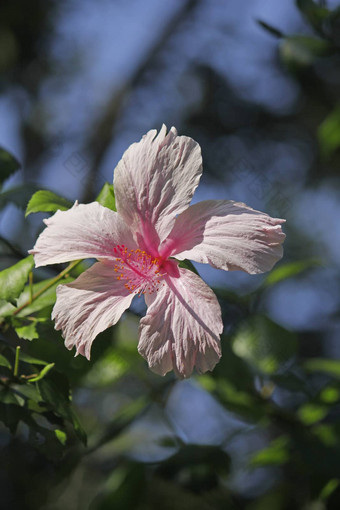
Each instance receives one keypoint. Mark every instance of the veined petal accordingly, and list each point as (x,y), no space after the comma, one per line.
(228,235)
(182,326)
(84,231)
(89,305)
(155,181)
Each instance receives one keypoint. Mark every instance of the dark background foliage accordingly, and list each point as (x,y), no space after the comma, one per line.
(257,84)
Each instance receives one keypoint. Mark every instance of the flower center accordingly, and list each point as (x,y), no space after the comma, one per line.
(140,270)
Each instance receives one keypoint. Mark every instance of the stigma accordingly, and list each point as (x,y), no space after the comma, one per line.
(140,271)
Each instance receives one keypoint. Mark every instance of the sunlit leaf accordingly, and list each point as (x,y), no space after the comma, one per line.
(311,413)
(284,271)
(61,436)
(8,165)
(106,197)
(329,133)
(329,366)
(326,433)
(47,201)
(301,51)
(241,402)
(27,331)
(329,395)
(109,369)
(276,453)
(329,488)
(13,279)
(264,344)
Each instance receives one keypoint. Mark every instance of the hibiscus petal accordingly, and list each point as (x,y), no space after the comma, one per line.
(228,235)
(182,326)
(89,305)
(155,181)
(84,231)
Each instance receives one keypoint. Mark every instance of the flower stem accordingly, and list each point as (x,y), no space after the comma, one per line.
(48,286)
(16,362)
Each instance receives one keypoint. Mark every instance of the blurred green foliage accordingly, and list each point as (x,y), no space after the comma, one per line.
(103,435)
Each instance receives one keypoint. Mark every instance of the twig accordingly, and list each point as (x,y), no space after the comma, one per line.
(61,275)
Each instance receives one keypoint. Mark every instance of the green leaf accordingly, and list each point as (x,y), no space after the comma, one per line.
(8,165)
(329,488)
(7,396)
(299,51)
(27,332)
(55,393)
(13,279)
(284,271)
(264,344)
(41,436)
(187,264)
(272,30)
(329,395)
(61,436)
(27,392)
(26,358)
(234,369)
(275,454)
(326,433)
(4,362)
(42,373)
(310,413)
(47,299)
(329,133)
(18,195)
(314,13)
(236,401)
(106,197)
(328,366)
(125,488)
(109,369)
(47,201)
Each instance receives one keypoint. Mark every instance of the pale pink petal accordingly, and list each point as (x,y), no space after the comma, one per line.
(182,326)
(155,181)
(84,231)
(89,305)
(228,235)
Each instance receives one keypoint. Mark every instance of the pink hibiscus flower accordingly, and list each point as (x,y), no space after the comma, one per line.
(154,183)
